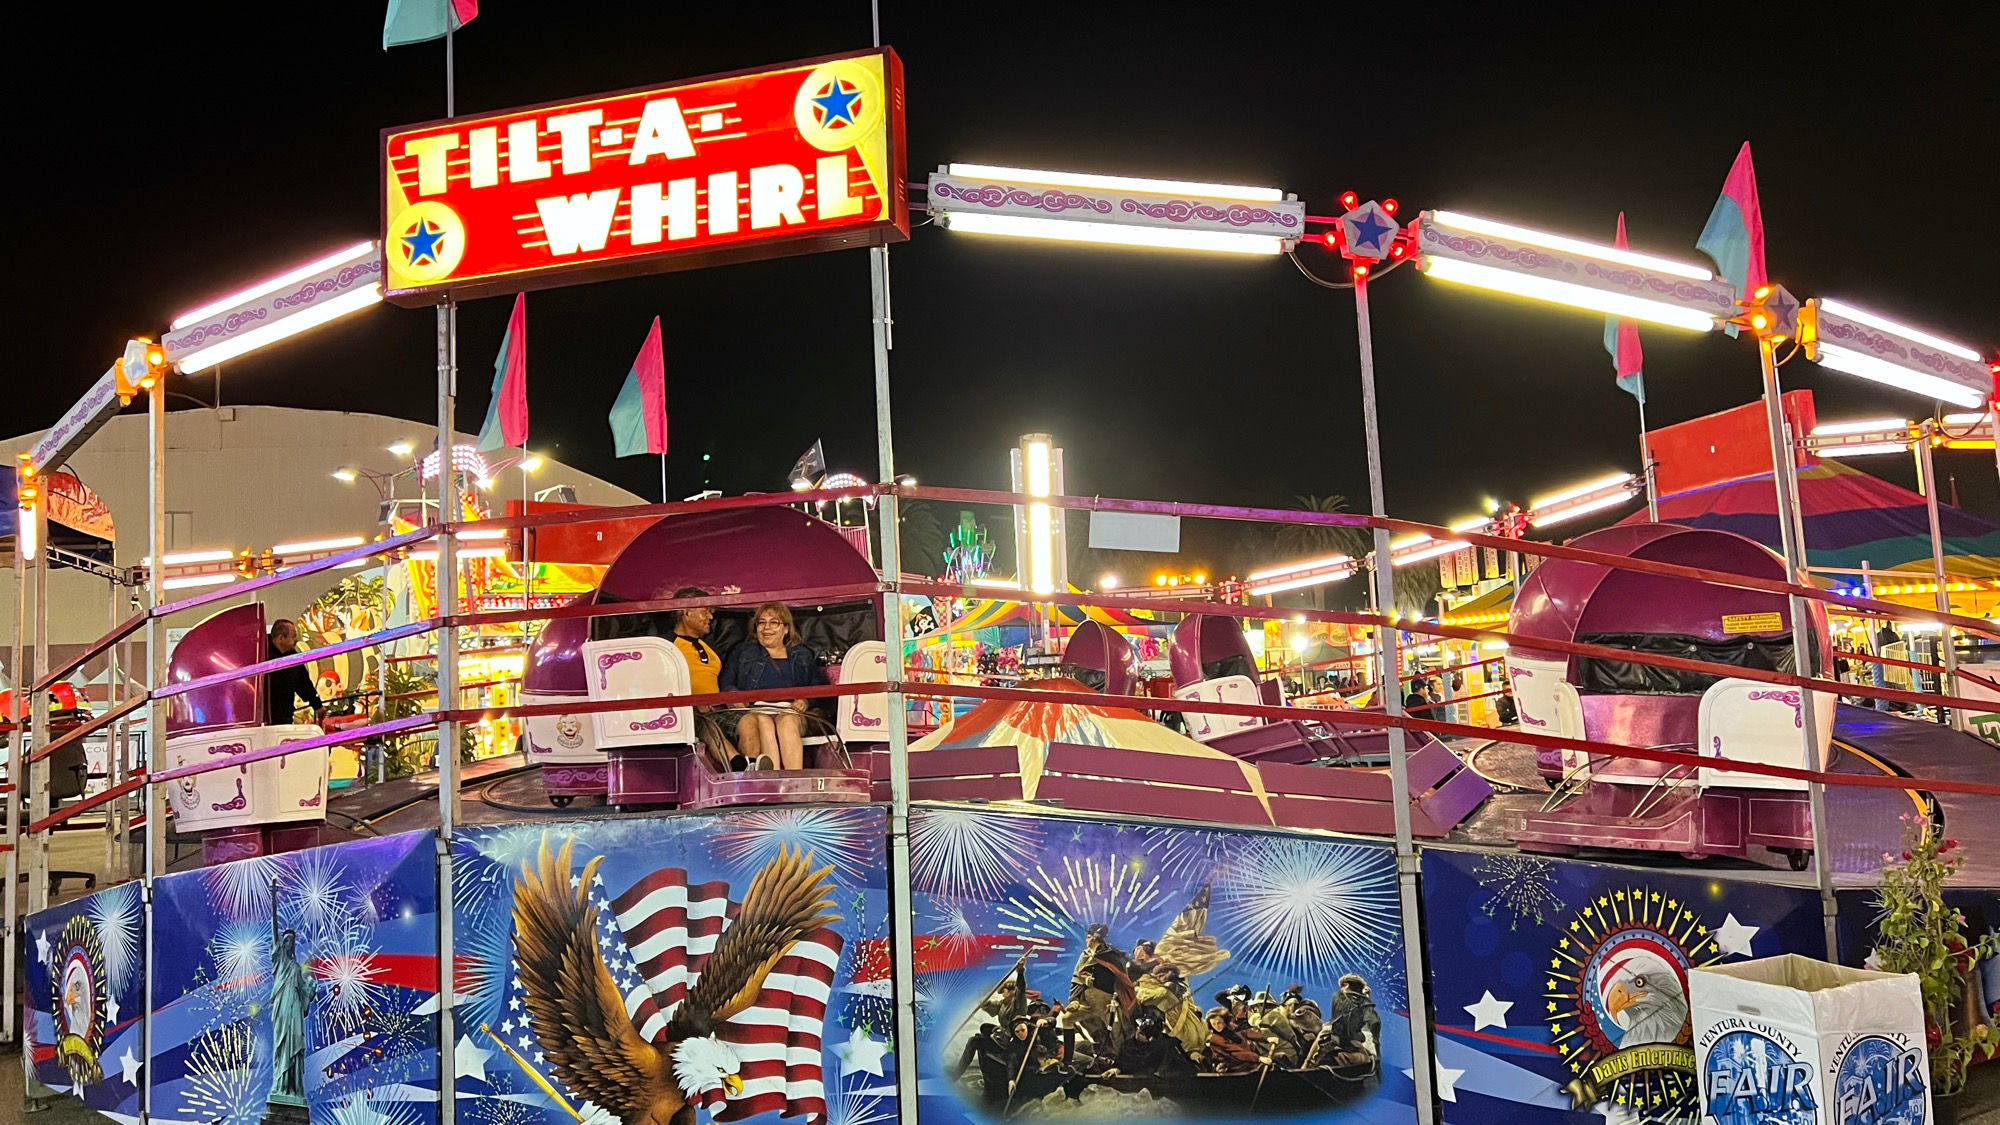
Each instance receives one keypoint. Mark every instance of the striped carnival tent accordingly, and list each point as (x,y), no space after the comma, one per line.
(1850,518)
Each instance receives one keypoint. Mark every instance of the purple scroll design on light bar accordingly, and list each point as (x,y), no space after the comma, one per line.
(859,719)
(667,721)
(222,327)
(342,280)
(1052,201)
(1879,342)
(1181,210)
(236,802)
(1791,697)
(607,661)
(1676,288)
(1527,257)
(226,750)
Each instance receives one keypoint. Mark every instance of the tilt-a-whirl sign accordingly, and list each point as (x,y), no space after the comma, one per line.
(781,160)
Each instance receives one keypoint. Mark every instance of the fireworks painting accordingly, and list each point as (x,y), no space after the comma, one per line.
(1050,900)
(222,1078)
(967,852)
(116,914)
(1306,903)
(1523,888)
(847,838)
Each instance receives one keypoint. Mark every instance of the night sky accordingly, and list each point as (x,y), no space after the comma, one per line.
(232,147)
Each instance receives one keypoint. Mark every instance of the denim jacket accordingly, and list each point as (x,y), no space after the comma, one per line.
(743,668)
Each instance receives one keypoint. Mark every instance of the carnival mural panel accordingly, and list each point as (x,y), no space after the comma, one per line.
(1560,987)
(1092,971)
(85,1001)
(299,984)
(726,967)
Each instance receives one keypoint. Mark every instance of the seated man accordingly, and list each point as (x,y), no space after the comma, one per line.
(285,688)
(687,627)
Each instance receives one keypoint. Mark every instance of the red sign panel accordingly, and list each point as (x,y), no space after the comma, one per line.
(784,160)
(1728,446)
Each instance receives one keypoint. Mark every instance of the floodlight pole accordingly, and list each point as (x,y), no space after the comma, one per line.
(447,669)
(1785,478)
(1947,648)
(38,773)
(1388,643)
(154,801)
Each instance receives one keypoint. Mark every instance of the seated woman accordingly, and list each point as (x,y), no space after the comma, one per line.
(770,660)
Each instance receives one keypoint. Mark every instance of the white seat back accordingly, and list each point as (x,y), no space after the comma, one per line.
(559,739)
(1228,689)
(271,791)
(865,718)
(1748,721)
(1565,716)
(638,668)
(1534,681)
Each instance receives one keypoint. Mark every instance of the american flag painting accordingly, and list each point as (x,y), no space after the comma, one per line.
(660,898)
(669,927)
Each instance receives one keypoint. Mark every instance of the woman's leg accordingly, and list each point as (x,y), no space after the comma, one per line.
(791,748)
(755,736)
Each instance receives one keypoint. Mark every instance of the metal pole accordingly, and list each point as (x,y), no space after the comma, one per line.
(905,982)
(156,707)
(1646,467)
(1407,863)
(1947,648)
(447,671)
(1784,477)
(36,702)
(14,767)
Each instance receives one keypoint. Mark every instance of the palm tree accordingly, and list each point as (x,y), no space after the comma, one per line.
(1297,541)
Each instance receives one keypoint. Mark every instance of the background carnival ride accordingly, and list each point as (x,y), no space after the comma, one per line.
(266,1038)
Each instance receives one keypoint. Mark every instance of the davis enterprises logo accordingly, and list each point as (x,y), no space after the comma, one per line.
(1878,1079)
(1755,1076)
(1618,1004)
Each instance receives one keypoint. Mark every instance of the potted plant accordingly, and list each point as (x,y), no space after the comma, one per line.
(1919,933)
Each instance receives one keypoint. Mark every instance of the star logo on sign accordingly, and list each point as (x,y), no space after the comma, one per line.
(836,103)
(422,242)
(130,1067)
(1367,232)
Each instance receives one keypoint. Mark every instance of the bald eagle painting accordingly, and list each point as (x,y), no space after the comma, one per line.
(655,1054)
(1646,998)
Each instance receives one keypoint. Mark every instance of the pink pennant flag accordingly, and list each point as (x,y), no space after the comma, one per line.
(507,415)
(639,416)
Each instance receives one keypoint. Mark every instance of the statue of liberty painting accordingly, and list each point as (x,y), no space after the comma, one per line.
(291,993)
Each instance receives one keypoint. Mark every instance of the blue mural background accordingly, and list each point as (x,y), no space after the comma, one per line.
(366,918)
(990,887)
(1510,940)
(115,927)
(503,1085)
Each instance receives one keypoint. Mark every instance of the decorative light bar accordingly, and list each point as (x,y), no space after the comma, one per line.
(276,308)
(190,581)
(1568,271)
(313,545)
(1299,576)
(1476,225)
(183,558)
(1858,342)
(1862,449)
(1114,210)
(1582,500)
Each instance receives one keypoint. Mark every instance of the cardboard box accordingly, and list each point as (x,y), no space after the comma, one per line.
(1793,1041)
